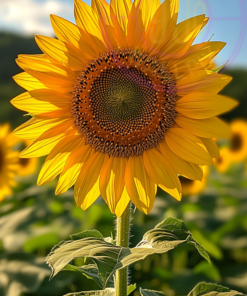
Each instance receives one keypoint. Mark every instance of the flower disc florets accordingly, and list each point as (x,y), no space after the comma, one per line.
(123,102)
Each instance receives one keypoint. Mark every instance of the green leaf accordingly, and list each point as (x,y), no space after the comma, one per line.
(150,293)
(131,288)
(106,292)
(110,258)
(87,233)
(90,271)
(200,249)
(212,290)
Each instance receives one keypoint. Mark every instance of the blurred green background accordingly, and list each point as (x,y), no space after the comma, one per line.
(34,220)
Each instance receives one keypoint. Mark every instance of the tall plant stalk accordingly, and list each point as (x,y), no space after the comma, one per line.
(122,239)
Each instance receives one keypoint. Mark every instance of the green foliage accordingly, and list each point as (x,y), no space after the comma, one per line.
(109,258)
(150,293)
(21,273)
(205,289)
(106,292)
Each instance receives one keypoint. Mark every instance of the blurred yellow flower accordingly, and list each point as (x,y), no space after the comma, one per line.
(190,187)
(238,141)
(27,166)
(122,102)
(223,162)
(8,161)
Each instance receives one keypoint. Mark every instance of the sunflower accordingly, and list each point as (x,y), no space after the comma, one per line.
(27,166)
(223,162)
(238,141)
(190,187)
(122,102)
(8,161)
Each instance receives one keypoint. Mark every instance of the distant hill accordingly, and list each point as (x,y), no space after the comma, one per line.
(11,45)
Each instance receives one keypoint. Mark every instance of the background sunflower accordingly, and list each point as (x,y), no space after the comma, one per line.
(8,161)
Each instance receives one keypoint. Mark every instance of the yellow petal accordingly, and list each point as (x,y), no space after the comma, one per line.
(111,181)
(182,37)
(180,166)
(63,52)
(205,128)
(141,189)
(187,146)
(87,185)
(212,147)
(73,167)
(160,171)
(196,58)
(43,100)
(55,161)
(102,9)
(55,77)
(28,82)
(135,28)
(202,81)
(161,26)
(122,204)
(66,31)
(48,140)
(87,19)
(204,105)
(121,9)
(34,128)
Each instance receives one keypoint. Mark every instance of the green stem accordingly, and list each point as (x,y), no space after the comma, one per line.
(122,239)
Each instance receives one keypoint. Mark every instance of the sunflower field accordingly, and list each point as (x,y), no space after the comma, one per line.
(136,198)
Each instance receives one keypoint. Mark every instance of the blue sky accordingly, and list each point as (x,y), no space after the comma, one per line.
(228,21)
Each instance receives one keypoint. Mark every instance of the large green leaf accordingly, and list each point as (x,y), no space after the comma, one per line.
(150,293)
(106,292)
(206,289)
(109,258)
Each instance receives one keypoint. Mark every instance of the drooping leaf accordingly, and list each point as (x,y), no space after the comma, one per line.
(90,271)
(110,258)
(150,293)
(200,249)
(207,289)
(106,292)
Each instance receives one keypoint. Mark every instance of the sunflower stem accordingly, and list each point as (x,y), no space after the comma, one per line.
(122,239)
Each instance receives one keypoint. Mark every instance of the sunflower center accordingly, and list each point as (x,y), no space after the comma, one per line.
(24,161)
(236,142)
(123,102)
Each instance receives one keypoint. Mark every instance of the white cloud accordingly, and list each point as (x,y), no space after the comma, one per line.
(31,16)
